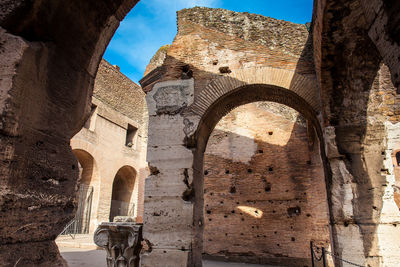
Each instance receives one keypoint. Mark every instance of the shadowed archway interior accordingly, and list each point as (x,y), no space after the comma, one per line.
(235,98)
(121,199)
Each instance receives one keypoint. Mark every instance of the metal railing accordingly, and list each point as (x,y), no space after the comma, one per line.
(81,222)
(319,254)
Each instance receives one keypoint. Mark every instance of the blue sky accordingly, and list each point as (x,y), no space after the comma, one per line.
(152,24)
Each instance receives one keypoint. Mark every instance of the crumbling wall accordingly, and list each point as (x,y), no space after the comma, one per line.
(203,65)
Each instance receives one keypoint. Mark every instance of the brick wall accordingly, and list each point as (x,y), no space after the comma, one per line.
(264,190)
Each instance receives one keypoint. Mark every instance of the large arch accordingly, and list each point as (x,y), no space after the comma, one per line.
(351,41)
(218,109)
(49,59)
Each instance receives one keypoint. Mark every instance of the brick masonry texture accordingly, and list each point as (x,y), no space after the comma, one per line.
(119,92)
(264,190)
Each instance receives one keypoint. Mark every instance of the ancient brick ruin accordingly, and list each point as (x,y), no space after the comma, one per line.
(342,77)
(111,148)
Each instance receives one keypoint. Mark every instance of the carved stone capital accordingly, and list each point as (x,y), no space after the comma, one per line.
(122,241)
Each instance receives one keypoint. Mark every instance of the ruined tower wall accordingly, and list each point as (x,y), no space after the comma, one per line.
(211,40)
(206,61)
(264,189)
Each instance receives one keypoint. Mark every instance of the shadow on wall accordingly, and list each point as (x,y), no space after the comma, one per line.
(265,208)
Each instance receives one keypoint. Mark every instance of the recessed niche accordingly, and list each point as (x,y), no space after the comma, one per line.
(130,140)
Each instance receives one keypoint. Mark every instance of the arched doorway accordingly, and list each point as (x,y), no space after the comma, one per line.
(264,188)
(122,198)
(80,224)
(210,118)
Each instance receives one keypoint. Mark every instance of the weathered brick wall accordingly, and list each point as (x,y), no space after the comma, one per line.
(119,92)
(205,62)
(258,172)
(210,39)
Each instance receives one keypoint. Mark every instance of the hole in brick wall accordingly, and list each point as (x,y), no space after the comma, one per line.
(232,211)
(205,172)
(221,202)
(241,234)
(215,62)
(278,245)
(260,151)
(249,170)
(275,232)
(210,220)
(294,211)
(238,203)
(226,234)
(308,215)
(73,166)
(242,219)
(271,169)
(309,162)
(273,211)
(225,216)
(187,73)
(267,187)
(270,133)
(293,239)
(224,69)
(232,190)
(153,170)
(211,194)
(226,171)
(346,223)
(208,211)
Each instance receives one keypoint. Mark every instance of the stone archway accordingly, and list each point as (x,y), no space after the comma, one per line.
(122,198)
(178,170)
(49,58)
(234,98)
